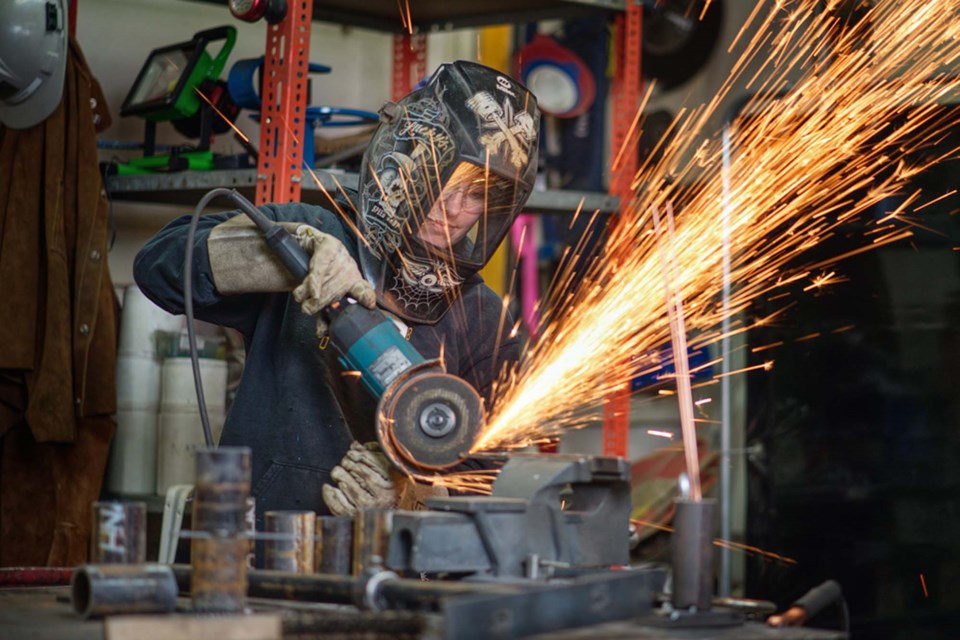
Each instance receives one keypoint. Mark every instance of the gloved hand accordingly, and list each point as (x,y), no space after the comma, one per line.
(333,274)
(241,263)
(365,480)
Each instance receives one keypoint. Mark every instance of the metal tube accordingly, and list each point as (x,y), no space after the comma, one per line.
(371,536)
(222,489)
(333,552)
(101,590)
(725,395)
(119,532)
(692,553)
(219,548)
(290,548)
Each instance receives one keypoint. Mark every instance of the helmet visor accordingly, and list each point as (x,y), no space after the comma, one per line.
(466,220)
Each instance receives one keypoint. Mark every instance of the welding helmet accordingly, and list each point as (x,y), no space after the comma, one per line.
(444,177)
(33,57)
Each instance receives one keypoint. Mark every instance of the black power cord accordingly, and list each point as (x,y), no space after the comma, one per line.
(278,239)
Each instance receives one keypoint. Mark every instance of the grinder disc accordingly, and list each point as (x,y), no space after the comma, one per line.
(429,420)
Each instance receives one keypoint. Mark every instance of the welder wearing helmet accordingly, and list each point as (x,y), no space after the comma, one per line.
(442,180)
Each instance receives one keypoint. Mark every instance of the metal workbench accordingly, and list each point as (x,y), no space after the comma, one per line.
(45,613)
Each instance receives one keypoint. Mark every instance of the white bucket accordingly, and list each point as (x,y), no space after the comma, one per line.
(138,382)
(178,393)
(133,453)
(140,320)
(179,435)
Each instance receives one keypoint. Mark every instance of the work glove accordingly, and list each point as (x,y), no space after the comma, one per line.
(333,274)
(242,263)
(365,480)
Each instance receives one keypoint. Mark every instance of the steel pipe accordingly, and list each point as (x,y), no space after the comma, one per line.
(108,589)
(333,553)
(692,553)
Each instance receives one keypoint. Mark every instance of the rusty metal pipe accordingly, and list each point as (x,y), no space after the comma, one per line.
(108,589)
(219,554)
(334,545)
(291,547)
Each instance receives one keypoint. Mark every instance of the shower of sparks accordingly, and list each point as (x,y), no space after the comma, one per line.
(678,338)
(748,549)
(834,144)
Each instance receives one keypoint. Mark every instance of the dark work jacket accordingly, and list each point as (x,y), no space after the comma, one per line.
(293,407)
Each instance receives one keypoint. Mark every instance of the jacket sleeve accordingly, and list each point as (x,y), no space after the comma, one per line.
(159,268)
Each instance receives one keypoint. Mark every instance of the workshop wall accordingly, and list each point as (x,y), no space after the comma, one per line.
(117,36)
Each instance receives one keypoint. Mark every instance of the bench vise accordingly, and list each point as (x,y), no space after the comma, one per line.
(547,514)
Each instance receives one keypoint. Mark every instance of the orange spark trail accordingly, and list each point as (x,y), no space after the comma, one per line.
(220,113)
(833,144)
(724,543)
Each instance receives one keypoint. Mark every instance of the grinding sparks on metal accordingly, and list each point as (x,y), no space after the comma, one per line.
(827,139)
(736,546)
(678,340)
(221,114)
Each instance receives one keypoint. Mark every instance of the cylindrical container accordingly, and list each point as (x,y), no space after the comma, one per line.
(178,392)
(138,381)
(119,533)
(290,540)
(101,590)
(692,553)
(179,436)
(140,321)
(371,535)
(132,467)
(219,548)
(333,552)
(219,573)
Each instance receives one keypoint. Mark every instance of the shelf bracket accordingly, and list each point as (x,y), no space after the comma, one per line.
(625,90)
(409,63)
(284,101)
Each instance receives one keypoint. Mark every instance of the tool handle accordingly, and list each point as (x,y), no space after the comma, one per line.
(818,598)
(280,241)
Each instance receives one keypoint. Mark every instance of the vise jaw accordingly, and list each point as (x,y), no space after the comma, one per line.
(545,512)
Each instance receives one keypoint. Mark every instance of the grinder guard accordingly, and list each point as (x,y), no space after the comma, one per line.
(427,419)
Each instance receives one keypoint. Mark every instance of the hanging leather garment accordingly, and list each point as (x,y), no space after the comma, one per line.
(58,328)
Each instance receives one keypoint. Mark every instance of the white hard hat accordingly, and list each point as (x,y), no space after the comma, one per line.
(33,57)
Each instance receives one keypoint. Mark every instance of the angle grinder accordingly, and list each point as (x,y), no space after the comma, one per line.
(427,419)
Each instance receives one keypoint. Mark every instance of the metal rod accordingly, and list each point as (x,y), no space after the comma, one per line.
(394,593)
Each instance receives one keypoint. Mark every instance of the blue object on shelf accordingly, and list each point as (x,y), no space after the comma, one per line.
(696,358)
(245,92)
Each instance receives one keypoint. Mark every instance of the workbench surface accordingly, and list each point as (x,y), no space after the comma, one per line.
(45,613)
